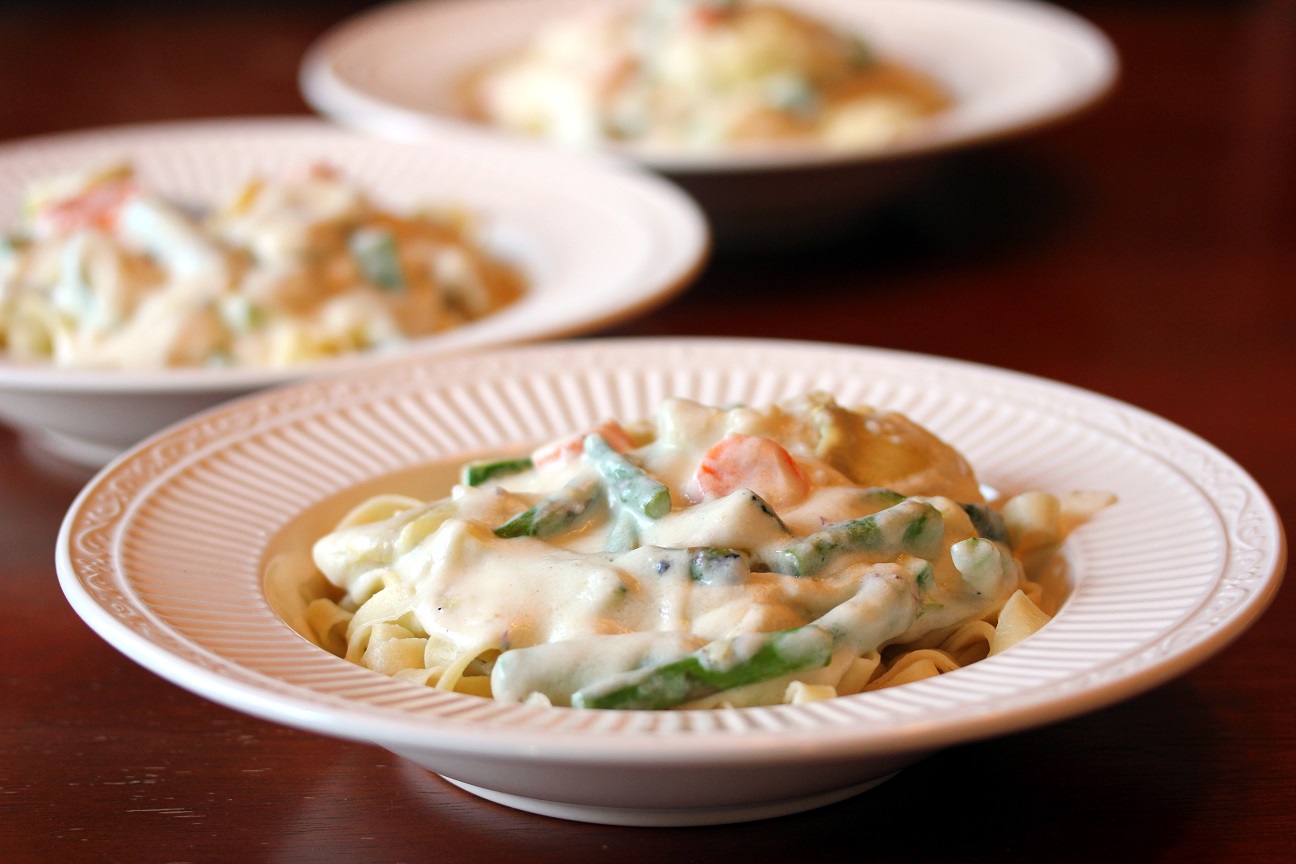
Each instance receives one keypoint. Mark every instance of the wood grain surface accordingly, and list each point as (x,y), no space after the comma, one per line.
(1145,250)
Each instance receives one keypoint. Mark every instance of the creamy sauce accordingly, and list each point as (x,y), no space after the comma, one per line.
(105,273)
(614,590)
(699,75)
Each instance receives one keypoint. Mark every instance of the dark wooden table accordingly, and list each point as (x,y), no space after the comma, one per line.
(1146,250)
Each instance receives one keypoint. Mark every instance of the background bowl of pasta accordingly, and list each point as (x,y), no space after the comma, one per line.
(86,379)
(1187,558)
(1002,67)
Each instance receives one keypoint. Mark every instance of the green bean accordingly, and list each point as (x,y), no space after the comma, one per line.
(719,665)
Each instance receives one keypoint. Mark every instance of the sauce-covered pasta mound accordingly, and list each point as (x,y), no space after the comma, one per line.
(104,273)
(699,75)
(714,557)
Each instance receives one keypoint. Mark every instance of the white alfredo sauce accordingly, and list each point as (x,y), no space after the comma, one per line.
(583,605)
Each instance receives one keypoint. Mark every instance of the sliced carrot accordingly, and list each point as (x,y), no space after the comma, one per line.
(97,207)
(564,450)
(751,462)
(704,17)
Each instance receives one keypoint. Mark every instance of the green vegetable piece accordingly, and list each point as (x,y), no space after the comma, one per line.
(881,498)
(627,483)
(477,473)
(555,513)
(718,666)
(922,571)
(987,522)
(375,253)
(911,527)
(713,565)
(623,535)
(982,563)
(792,93)
(861,55)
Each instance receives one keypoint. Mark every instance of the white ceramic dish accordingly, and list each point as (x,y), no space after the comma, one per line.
(1011,65)
(598,244)
(191,552)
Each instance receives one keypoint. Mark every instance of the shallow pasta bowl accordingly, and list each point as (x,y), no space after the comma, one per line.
(1010,66)
(191,555)
(596,244)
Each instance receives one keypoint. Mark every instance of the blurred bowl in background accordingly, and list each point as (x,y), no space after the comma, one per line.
(1011,66)
(597,244)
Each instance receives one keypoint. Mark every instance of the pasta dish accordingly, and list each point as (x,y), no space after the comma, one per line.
(708,557)
(702,75)
(105,273)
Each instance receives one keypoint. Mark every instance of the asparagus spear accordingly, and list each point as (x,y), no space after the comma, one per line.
(982,563)
(884,606)
(717,666)
(708,565)
(623,534)
(375,253)
(555,513)
(713,565)
(882,497)
(627,483)
(987,522)
(913,527)
(985,519)
(477,473)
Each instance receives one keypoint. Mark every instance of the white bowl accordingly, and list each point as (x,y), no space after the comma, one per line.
(191,555)
(1011,65)
(598,244)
